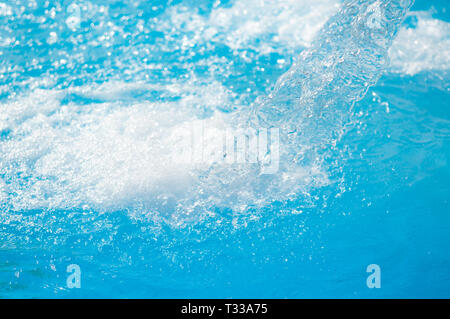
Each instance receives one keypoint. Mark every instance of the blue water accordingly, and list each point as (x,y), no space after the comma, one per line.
(92,94)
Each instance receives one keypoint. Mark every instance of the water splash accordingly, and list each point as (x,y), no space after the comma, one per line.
(103,155)
(314,98)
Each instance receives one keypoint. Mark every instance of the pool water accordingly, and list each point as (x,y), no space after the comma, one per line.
(94,96)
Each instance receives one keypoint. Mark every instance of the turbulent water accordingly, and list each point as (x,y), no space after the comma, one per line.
(96,101)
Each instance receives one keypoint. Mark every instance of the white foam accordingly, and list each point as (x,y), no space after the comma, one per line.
(113,155)
(117,152)
(111,151)
(261,24)
(422,48)
(270,26)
